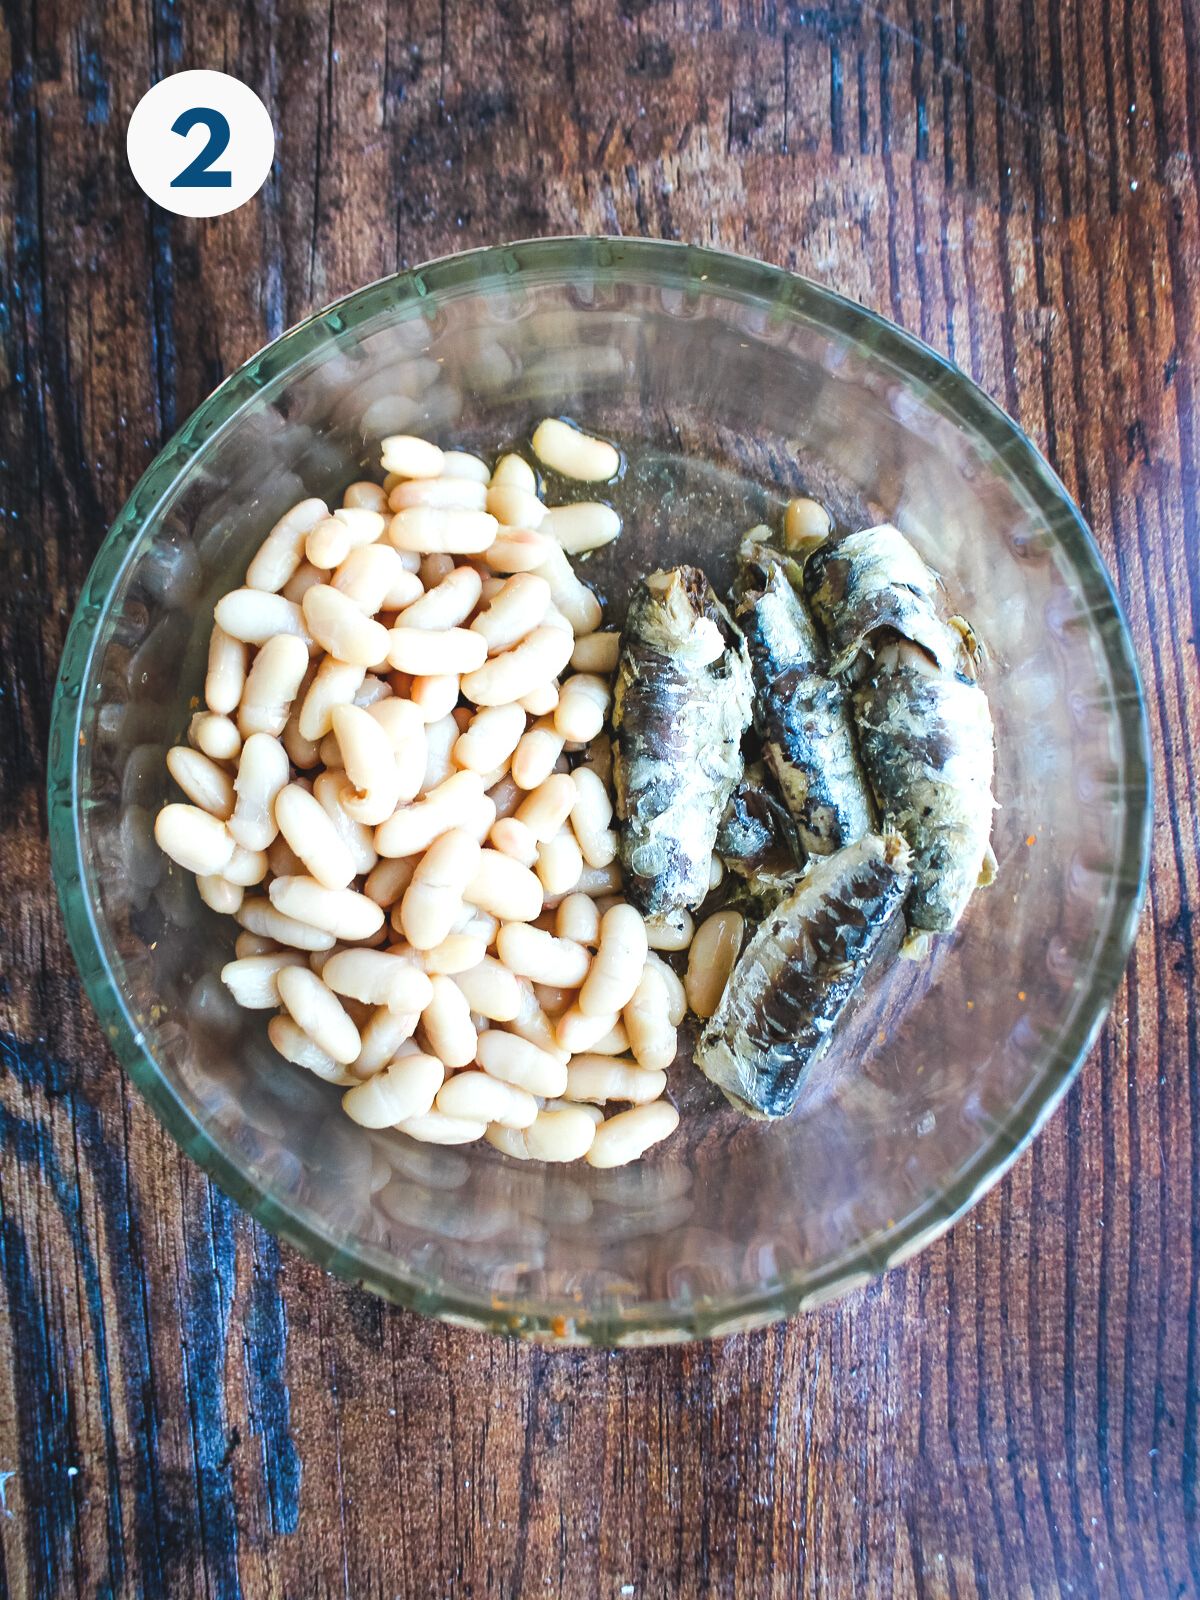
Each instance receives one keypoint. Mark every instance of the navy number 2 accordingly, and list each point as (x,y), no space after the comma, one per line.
(198,173)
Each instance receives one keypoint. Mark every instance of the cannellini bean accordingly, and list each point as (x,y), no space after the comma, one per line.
(520,550)
(516,470)
(514,1060)
(591,814)
(630,1134)
(328,752)
(309,831)
(434,897)
(583,703)
(364,496)
(599,1079)
(447,604)
(415,827)
(219,894)
(670,930)
(716,872)
(433,568)
(336,684)
(203,781)
(613,1043)
(384,1035)
(440,738)
(404,729)
(714,950)
(301,581)
(506,677)
(806,524)
(282,551)
(378,979)
(462,464)
(532,1023)
(442,530)
(546,809)
(226,674)
(260,916)
(597,652)
(251,981)
(513,612)
(282,860)
(532,953)
(447,1023)
(577,919)
(514,839)
(584,525)
(435,695)
(540,702)
(535,755)
(333,538)
(339,627)
(560,1133)
(503,886)
(456,493)
(572,453)
(262,772)
(559,864)
(552,998)
(576,1031)
(374,788)
(569,593)
(598,881)
(254,616)
(293,1044)
(424,653)
(648,1022)
(342,912)
(458,952)
(245,867)
(490,738)
(215,736)
(491,990)
(402,1090)
(514,507)
(313,1006)
(437,1128)
(599,758)
(673,983)
(357,838)
(620,957)
(479,1095)
(506,797)
(273,683)
(410,457)
(376,579)
(388,880)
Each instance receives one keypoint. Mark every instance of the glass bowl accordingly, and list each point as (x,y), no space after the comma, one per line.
(731,385)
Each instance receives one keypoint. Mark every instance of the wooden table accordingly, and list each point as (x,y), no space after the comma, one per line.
(187,1410)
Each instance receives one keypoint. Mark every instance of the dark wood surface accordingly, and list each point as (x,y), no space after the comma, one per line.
(187,1410)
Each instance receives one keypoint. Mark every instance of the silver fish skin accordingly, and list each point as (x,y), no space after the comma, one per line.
(680,708)
(801,713)
(796,975)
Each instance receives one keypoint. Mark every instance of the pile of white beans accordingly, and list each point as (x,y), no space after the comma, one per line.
(400,789)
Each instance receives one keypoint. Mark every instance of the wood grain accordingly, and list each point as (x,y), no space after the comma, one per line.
(187,1410)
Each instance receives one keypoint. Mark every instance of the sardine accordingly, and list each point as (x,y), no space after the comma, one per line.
(801,713)
(796,975)
(757,842)
(681,706)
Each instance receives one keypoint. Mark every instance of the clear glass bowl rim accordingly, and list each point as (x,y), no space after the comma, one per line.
(694,270)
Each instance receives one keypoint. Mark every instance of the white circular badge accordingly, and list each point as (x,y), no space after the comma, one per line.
(200,143)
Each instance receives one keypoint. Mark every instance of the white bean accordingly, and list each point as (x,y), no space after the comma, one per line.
(342,912)
(533,1025)
(577,918)
(716,872)
(245,867)
(364,496)
(458,952)
(336,683)
(252,944)
(432,568)
(339,627)
(437,1128)
(520,550)
(515,470)
(532,953)
(560,1133)
(411,457)
(415,827)
(293,1044)
(569,593)
(514,1060)
(546,809)
(273,683)
(376,579)
(313,1006)
(574,454)
(576,1031)
(514,507)
(670,930)
(251,981)
(440,739)
(215,736)
(442,530)
(357,838)
(648,1022)
(453,493)
(613,1043)
(254,616)
(282,551)
(426,654)
(479,1095)
(513,612)
(378,979)
(447,1023)
(491,990)
(599,1079)
(630,1134)
(535,755)
(388,880)
(806,524)
(599,758)
(433,899)
(219,894)
(435,695)
(539,657)
(305,577)
(226,674)
(582,526)
(597,652)
(260,916)
(374,788)
(262,772)
(559,864)
(402,1090)
(583,703)
(311,834)
(203,781)
(447,605)
(620,957)
(490,738)
(282,860)
(384,1035)
(462,464)
(540,702)
(711,959)
(506,797)
(591,815)
(514,839)
(332,539)
(504,887)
